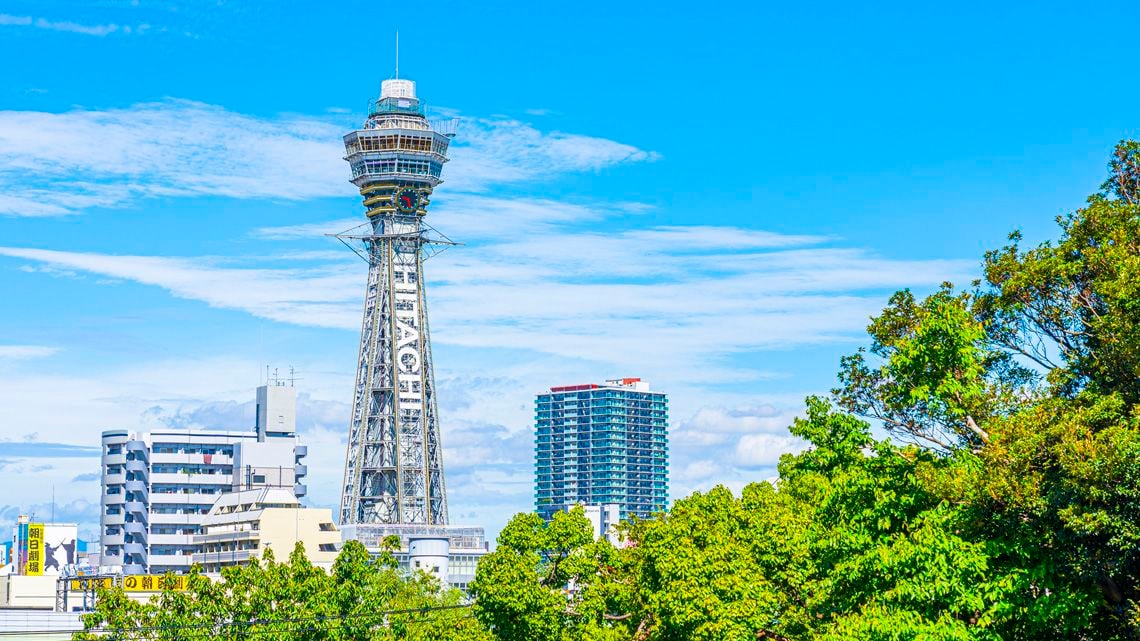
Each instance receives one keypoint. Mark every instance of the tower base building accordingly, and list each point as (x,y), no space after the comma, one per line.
(462,546)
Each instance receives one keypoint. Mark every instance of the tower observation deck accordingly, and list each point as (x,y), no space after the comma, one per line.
(393,471)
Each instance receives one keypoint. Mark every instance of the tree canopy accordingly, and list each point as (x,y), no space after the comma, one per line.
(361,598)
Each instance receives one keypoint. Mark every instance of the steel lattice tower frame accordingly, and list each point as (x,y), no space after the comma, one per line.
(393,471)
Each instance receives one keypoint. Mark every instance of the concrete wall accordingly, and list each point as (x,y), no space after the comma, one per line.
(38,625)
(27,592)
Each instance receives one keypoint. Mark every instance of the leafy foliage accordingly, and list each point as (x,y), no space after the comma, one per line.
(361,598)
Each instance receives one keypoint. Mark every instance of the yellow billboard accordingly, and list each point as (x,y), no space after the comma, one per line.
(35,564)
(153,583)
(83,585)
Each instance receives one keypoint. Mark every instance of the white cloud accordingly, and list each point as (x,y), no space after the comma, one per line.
(71,27)
(765,450)
(185,148)
(14,352)
(315,296)
(571,294)
(170,148)
(667,298)
(490,151)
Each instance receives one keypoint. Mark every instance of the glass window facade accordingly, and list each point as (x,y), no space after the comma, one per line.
(602,444)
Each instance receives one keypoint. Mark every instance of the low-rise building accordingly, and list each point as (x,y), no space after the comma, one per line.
(242,525)
(160,485)
(449,552)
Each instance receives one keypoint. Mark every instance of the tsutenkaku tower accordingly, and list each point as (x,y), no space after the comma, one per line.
(393,471)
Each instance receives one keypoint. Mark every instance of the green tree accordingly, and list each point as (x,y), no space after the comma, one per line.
(1044,356)
(361,598)
(553,581)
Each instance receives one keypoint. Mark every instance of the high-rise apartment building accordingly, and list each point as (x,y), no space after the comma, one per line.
(600,445)
(159,486)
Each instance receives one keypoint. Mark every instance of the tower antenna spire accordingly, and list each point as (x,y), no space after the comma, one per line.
(397,55)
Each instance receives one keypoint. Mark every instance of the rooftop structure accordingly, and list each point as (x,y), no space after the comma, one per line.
(159,486)
(602,445)
(393,471)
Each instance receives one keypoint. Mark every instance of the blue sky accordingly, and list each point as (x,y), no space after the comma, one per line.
(712,198)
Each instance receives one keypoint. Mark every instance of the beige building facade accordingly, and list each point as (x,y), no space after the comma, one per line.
(242,525)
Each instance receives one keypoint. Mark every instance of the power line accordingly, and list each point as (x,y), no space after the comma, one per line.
(265,622)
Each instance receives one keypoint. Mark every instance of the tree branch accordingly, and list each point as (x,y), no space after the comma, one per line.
(982,434)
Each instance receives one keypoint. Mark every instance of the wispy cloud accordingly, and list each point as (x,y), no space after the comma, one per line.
(314,296)
(185,148)
(494,151)
(170,148)
(666,298)
(72,27)
(14,352)
(36,449)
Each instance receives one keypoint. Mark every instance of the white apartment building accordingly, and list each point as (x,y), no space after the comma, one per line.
(159,486)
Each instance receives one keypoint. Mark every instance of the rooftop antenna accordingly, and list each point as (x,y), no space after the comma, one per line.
(397,55)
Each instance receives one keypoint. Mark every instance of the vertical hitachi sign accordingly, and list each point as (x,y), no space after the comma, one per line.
(409,360)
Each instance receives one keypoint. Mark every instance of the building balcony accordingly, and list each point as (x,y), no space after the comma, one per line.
(134,548)
(181,498)
(192,459)
(180,478)
(171,539)
(137,466)
(113,499)
(134,567)
(181,562)
(220,537)
(175,519)
(232,557)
